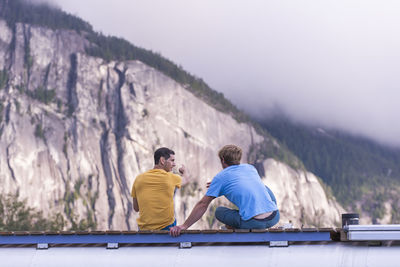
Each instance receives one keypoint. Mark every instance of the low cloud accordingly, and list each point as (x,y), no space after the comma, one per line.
(335,63)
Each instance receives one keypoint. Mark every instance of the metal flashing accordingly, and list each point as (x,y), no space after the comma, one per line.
(373,227)
(373,235)
(162,237)
(372,232)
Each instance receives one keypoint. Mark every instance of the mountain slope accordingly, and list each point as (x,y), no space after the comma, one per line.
(113,48)
(364,176)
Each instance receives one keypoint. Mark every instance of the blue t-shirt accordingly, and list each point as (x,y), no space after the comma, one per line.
(242,185)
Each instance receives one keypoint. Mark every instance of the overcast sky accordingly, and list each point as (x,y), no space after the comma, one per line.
(331,62)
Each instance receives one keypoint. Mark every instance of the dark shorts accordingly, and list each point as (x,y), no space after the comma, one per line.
(169,226)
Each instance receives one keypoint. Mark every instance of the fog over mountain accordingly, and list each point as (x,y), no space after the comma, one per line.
(334,63)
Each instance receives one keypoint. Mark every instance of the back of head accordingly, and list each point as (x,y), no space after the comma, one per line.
(231,154)
(162,152)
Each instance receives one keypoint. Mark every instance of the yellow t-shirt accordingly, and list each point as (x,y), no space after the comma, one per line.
(154,192)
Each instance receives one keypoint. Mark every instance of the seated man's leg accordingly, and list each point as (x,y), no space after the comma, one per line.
(228,216)
(253,224)
(260,224)
(273,221)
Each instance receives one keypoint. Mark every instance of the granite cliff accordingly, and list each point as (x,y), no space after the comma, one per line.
(75,130)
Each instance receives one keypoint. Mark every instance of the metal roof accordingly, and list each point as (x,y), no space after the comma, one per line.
(331,254)
(302,247)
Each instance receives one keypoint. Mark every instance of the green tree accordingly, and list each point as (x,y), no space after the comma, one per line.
(15,215)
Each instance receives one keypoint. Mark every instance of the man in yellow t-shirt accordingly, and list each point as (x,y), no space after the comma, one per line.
(153,192)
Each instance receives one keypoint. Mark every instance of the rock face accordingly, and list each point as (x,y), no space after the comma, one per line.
(76,130)
(302,199)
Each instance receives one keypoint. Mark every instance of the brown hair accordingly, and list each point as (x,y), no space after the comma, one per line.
(162,152)
(231,154)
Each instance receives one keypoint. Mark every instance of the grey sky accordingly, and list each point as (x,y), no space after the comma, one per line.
(331,62)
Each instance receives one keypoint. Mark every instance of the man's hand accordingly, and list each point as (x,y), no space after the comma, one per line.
(184,173)
(208,184)
(199,209)
(182,170)
(176,230)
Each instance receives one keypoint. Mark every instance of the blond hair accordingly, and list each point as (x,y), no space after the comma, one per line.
(231,154)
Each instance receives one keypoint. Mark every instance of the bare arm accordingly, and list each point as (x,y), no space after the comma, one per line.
(135,205)
(195,215)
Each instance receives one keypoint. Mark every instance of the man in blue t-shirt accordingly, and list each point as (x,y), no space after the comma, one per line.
(240,184)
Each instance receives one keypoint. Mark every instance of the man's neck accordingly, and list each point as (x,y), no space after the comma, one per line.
(158,167)
(224,165)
